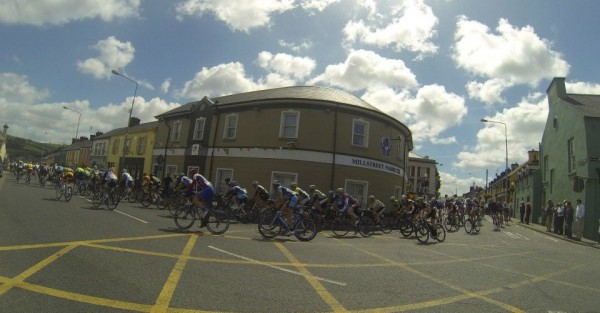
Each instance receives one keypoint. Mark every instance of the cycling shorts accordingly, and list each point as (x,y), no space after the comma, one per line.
(111,183)
(206,195)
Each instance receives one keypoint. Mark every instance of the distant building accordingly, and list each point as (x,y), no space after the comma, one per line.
(3,138)
(570,152)
(421,178)
(311,135)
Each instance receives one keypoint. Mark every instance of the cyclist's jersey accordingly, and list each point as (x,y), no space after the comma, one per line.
(68,176)
(376,205)
(185,181)
(345,201)
(127,177)
(155,180)
(301,193)
(240,192)
(201,182)
(317,196)
(286,193)
(261,193)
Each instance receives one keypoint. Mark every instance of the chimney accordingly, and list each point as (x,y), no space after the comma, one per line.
(557,88)
(134,121)
(83,138)
(4,131)
(533,156)
(98,134)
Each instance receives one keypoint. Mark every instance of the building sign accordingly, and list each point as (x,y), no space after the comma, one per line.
(195,149)
(368,164)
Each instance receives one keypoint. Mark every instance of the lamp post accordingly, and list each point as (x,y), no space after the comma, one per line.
(78,120)
(506,149)
(122,163)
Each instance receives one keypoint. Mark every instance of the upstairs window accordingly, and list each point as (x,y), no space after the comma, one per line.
(199,128)
(115,147)
(230,126)
(141,145)
(360,133)
(176,131)
(289,124)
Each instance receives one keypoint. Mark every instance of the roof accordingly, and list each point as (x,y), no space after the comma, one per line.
(124,130)
(313,93)
(588,105)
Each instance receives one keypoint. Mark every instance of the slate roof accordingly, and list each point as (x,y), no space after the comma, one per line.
(132,129)
(293,92)
(588,105)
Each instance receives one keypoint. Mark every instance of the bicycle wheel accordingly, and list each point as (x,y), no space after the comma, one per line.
(146,200)
(133,196)
(112,201)
(387,224)
(217,221)
(185,217)
(305,229)
(496,222)
(341,226)
(448,224)
(468,225)
(440,235)
(68,193)
(406,228)
(422,232)
(58,193)
(477,226)
(161,203)
(269,227)
(97,199)
(366,226)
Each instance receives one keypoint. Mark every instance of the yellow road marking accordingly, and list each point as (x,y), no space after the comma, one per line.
(317,286)
(34,269)
(165,296)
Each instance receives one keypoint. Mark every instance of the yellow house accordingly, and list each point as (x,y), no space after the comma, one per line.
(131,148)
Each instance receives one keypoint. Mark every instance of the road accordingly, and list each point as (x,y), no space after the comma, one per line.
(58,256)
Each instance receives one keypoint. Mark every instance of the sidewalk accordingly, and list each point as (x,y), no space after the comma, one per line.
(542,229)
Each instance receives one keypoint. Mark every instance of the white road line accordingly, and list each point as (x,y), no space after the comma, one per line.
(547,237)
(276,267)
(133,217)
(511,235)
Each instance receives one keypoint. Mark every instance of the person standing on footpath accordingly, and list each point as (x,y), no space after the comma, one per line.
(527,212)
(579,215)
(560,218)
(548,211)
(522,211)
(569,220)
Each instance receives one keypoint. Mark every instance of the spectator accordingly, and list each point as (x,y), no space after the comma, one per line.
(549,212)
(569,220)
(522,211)
(579,219)
(527,212)
(559,218)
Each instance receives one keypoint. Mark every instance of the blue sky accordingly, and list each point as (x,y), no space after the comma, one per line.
(439,66)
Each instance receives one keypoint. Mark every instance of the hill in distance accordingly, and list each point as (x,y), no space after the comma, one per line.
(28,150)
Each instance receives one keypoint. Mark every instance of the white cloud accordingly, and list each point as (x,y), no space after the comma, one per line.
(582,88)
(166,85)
(113,54)
(239,15)
(489,92)
(296,47)
(432,111)
(367,70)
(57,12)
(219,80)
(50,122)
(286,65)
(412,27)
(525,124)
(451,184)
(512,56)
(316,5)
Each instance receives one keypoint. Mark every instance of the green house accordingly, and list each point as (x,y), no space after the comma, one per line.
(570,151)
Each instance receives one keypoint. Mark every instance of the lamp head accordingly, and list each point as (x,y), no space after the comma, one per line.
(115,72)
(484,120)
(65,107)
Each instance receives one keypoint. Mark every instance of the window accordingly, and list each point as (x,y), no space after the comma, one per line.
(358,189)
(172,170)
(360,133)
(571,154)
(115,148)
(176,131)
(230,126)
(127,145)
(199,128)
(223,173)
(141,145)
(284,178)
(289,124)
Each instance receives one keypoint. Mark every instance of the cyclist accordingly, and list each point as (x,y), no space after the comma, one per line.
(237,194)
(286,200)
(395,203)
(317,199)
(303,196)
(126,180)
(155,181)
(346,203)
(376,208)
(183,182)
(261,195)
(110,179)
(205,195)
(428,212)
(146,182)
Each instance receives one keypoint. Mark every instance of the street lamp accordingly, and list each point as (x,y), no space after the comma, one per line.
(122,165)
(506,148)
(79,120)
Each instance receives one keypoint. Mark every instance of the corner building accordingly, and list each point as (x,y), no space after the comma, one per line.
(311,135)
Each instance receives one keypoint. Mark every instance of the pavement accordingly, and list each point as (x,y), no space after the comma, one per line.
(542,229)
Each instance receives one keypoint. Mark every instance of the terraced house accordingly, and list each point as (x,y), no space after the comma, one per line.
(311,135)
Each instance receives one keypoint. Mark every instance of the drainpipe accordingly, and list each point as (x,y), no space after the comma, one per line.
(335,126)
(164,169)
(212,147)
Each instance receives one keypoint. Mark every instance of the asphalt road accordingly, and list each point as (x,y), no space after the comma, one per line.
(58,256)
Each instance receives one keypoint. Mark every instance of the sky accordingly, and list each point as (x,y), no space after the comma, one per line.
(438,66)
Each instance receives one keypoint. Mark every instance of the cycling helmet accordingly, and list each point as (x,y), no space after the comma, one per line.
(312,187)
(255,183)
(124,171)
(227,180)
(276,183)
(294,184)
(371,197)
(403,197)
(339,190)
